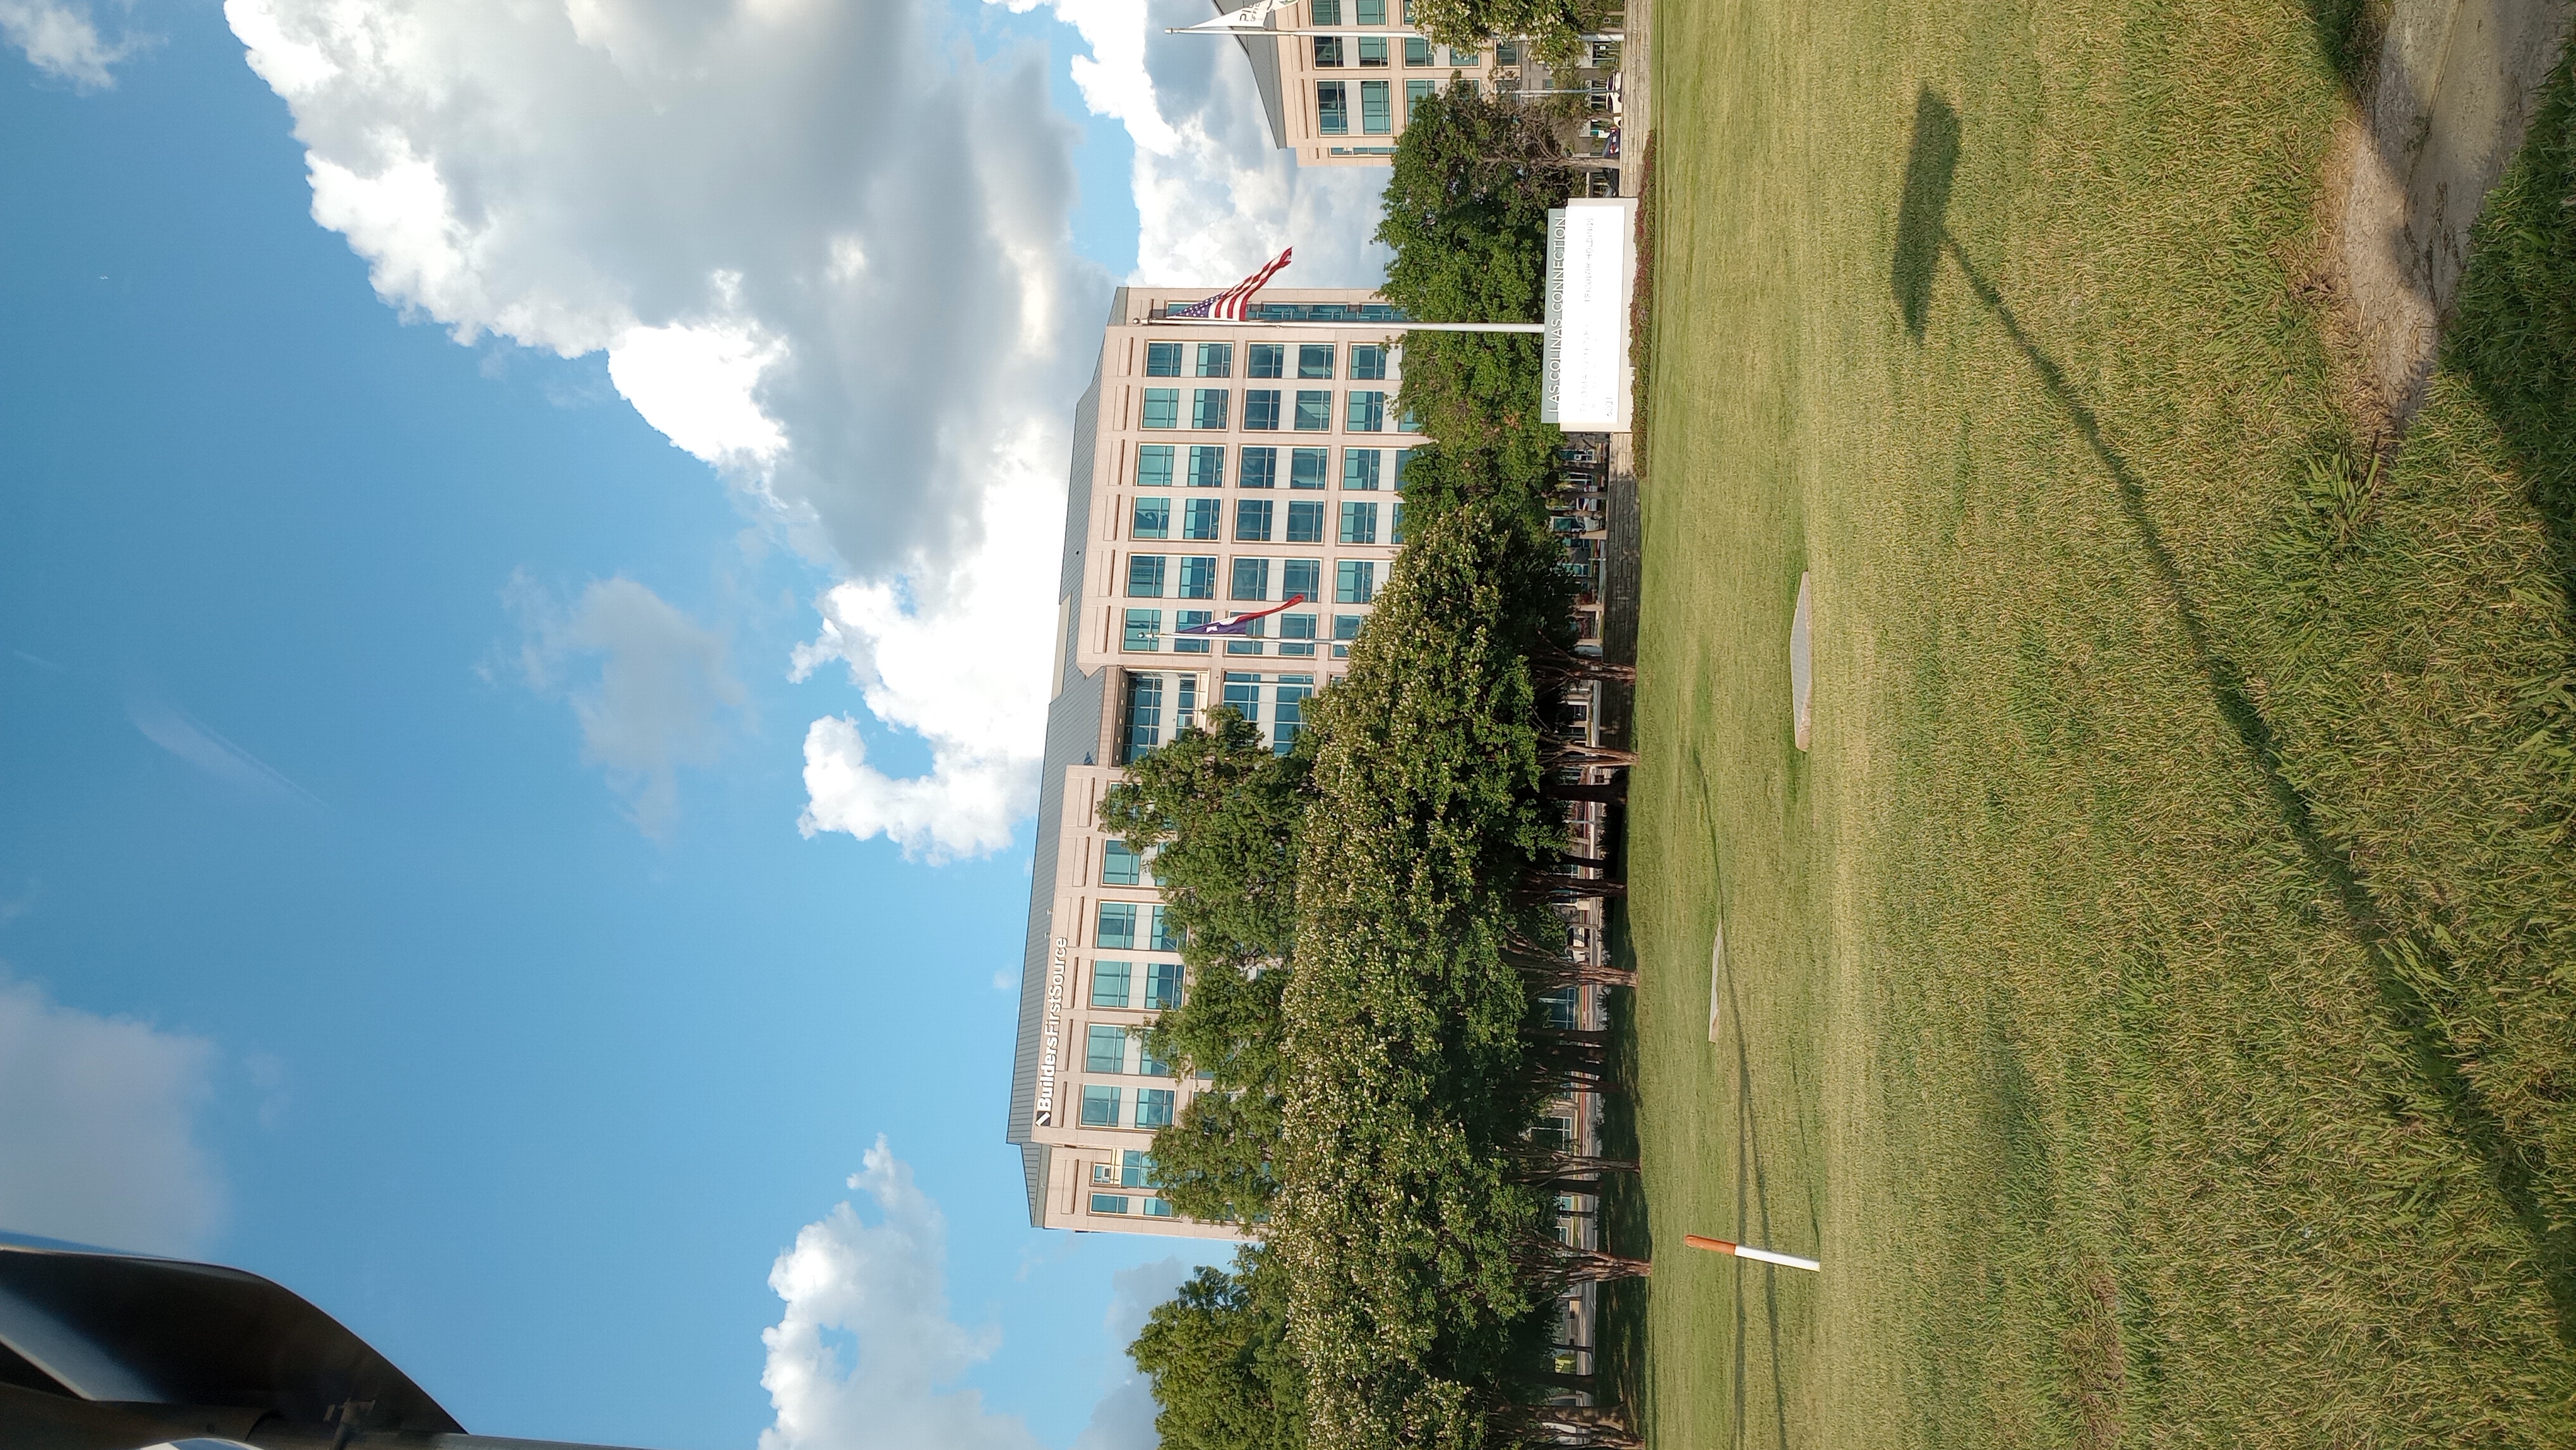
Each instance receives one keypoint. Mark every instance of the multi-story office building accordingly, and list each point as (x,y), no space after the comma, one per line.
(1341,100)
(1216,468)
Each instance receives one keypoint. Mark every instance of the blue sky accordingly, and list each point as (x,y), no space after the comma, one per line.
(403,757)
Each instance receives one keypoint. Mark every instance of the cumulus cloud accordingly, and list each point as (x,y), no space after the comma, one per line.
(663,695)
(62,41)
(1214,196)
(98,1143)
(882,1288)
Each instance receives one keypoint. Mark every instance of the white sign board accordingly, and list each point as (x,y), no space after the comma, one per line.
(1591,268)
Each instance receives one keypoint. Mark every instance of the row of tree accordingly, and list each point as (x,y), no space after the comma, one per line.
(1370,921)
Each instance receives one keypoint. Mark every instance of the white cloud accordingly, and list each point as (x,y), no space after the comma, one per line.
(1215,197)
(98,1140)
(62,41)
(184,736)
(663,697)
(882,1287)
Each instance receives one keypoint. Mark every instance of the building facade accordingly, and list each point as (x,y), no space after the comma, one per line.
(1216,468)
(1342,99)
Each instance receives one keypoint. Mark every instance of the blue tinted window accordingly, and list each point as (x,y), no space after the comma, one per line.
(1166,937)
(1153,519)
(1198,577)
(1116,926)
(1153,1107)
(1305,523)
(1367,412)
(1216,360)
(1251,579)
(1301,576)
(1162,986)
(1200,521)
(1104,1049)
(1106,1202)
(1207,465)
(1162,408)
(1265,360)
(1208,407)
(1162,359)
(1359,468)
(1142,630)
(1306,466)
(1252,520)
(1100,1109)
(1144,576)
(1368,361)
(1260,468)
(1359,523)
(1154,465)
(1261,409)
(1332,98)
(1314,359)
(1184,619)
(1354,582)
(1109,984)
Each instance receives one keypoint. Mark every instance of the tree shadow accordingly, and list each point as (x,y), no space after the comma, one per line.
(1930,162)
(1619,1331)
(2517,1167)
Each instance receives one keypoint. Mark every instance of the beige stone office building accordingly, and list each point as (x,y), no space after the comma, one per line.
(1216,469)
(1341,100)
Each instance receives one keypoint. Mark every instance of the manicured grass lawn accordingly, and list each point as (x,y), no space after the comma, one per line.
(2155,995)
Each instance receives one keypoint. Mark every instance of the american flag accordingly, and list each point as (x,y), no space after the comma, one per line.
(1228,305)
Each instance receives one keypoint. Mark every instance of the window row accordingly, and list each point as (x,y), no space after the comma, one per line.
(1354,580)
(1115,928)
(1263,360)
(1142,633)
(1261,521)
(1131,1169)
(1106,1050)
(1105,1107)
(1141,718)
(1332,52)
(1364,470)
(1211,410)
(1113,984)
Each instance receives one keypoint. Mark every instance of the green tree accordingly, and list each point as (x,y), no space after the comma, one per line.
(1219,811)
(1466,206)
(1217,1356)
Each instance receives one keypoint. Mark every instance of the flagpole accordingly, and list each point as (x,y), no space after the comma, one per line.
(1212,28)
(1350,326)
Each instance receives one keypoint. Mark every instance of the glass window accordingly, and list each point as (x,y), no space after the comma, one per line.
(1148,1065)
(1183,644)
(1106,1202)
(1154,465)
(1395,524)
(1314,359)
(1326,12)
(1354,582)
(1154,1208)
(1100,1110)
(1198,577)
(1332,105)
(1143,630)
(1261,409)
(1559,1007)
(1200,519)
(1359,523)
(1243,693)
(1288,715)
(1163,979)
(1115,927)
(1165,937)
(1314,410)
(1346,627)
(1371,12)
(1328,52)
(1368,361)
(1402,457)
(1162,359)
(1250,641)
(1208,407)
(1377,103)
(1301,576)
(1182,718)
(1359,469)
(1406,422)
(1207,465)
(1461,57)
(1367,411)
(1306,467)
(1132,1170)
(1144,576)
(1109,983)
(1144,731)
(1252,521)
(1260,468)
(1372,52)
(1417,52)
(1251,579)
(1306,523)
(1153,1107)
(1265,360)
(1297,634)
(1153,519)
(1216,360)
(1162,408)
(1104,1049)
(1416,92)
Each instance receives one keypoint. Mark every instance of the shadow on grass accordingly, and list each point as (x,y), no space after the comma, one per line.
(2517,1167)
(1619,1335)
